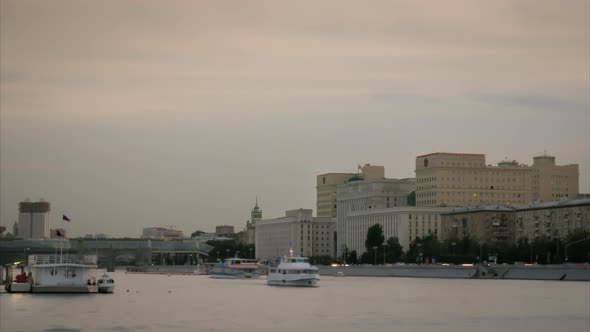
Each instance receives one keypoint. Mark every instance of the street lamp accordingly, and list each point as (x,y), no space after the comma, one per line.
(384,252)
(238,253)
(375,251)
(419,245)
(226,253)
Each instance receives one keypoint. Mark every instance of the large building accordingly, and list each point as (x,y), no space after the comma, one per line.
(328,183)
(406,223)
(494,224)
(463,179)
(361,203)
(224,230)
(552,182)
(555,219)
(33,220)
(490,224)
(298,231)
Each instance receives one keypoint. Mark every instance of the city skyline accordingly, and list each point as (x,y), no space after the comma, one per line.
(126,116)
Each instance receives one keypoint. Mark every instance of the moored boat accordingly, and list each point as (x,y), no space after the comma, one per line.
(293,271)
(236,268)
(106,284)
(57,274)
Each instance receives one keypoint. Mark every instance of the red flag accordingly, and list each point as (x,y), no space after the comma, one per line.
(65,218)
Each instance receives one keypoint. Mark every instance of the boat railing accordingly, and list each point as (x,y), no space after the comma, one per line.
(62,259)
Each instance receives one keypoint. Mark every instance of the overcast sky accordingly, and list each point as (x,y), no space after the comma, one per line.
(128,114)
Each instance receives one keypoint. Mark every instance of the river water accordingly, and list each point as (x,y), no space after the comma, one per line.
(198,303)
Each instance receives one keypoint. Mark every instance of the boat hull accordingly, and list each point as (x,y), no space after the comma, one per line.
(106,289)
(235,276)
(65,289)
(18,287)
(306,282)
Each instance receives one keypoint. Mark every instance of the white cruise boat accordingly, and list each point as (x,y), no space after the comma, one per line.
(59,274)
(293,271)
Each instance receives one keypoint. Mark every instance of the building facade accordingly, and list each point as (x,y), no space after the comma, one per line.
(553,220)
(552,182)
(406,223)
(33,220)
(328,183)
(161,233)
(490,224)
(298,231)
(224,230)
(462,179)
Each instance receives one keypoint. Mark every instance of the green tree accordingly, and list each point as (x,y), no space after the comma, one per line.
(394,250)
(352,258)
(580,250)
(375,237)
(412,198)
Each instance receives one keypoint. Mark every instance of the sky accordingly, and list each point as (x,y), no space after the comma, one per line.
(132,114)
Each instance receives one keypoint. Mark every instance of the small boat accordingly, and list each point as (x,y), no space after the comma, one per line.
(56,274)
(106,284)
(293,271)
(236,268)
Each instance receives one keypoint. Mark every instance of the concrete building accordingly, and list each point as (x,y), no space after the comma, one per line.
(490,224)
(33,220)
(161,233)
(297,231)
(552,182)
(328,183)
(224,230)
(358,199)
(405,222)
(553,219)
(463,179)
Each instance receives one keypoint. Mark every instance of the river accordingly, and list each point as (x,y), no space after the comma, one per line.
(198,303)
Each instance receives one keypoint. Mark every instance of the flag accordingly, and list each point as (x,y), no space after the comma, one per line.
(58,232)
(65,218)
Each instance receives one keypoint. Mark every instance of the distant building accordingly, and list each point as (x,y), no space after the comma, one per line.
(464,179)
(248,236)
(297,231)
(555,219)
(224,230)
(33,220)
(161,233)
(404,222)
(493,224)
(363,203)
(101,236)
(328,183)
(490,224)
(89,236)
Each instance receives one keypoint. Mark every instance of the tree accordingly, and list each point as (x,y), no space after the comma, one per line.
(352,258)
(580,250)
(375,237)
(412,198)
(394,250)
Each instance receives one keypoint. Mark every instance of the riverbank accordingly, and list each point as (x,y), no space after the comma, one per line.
(516,272)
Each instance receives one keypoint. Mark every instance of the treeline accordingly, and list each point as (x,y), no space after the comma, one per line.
(542,250)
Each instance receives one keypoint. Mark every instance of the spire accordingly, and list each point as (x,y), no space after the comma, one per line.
(256,202)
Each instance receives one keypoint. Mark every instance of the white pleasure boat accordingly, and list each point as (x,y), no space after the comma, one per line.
(106,284)
(293,271)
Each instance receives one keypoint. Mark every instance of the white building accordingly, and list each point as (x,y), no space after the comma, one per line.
(297,231)
(33,220)
(406,223)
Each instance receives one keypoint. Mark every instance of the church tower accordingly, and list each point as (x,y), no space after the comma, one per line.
(256,214)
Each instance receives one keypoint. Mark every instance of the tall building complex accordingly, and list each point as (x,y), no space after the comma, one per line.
(33,220)
(462,179)
(328,183)
(297,231)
